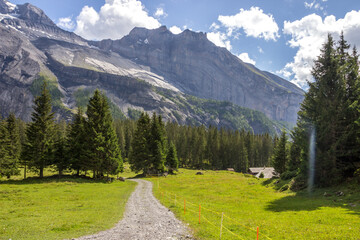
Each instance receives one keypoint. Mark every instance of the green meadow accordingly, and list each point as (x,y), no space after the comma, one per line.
(248,203)
(53,208)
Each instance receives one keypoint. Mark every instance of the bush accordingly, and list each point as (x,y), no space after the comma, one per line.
(261,175)
(288,175)
(299,183)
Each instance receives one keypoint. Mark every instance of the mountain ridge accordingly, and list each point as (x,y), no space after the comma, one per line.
(34,49)
(202,69)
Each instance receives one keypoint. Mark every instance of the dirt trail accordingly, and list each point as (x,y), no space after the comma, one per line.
(144,219)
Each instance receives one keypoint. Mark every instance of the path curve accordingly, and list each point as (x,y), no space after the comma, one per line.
(144,219)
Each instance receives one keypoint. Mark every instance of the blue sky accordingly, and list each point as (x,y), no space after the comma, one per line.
(280,36)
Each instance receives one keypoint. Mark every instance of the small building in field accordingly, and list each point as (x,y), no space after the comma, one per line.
(268,172)
(230,169)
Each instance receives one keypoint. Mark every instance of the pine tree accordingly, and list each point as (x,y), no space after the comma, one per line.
(14,137)
(60,159)
(77,142)
(8,165)
(128,139)
(139,157)
(38,148)
(172,161)
(156,144)
(102,148)
(280,158)
(349,149)
(330,107)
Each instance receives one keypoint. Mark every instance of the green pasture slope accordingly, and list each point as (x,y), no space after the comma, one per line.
(248,202)
(65,208)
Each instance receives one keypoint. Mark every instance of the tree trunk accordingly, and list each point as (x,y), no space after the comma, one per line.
(78,172)
(25,171)
(41,172)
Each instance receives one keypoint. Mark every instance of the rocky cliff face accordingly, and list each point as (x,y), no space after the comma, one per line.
(198,67)
(148,70)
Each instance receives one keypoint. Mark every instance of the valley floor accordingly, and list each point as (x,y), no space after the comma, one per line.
(248,203)
(64,208)
(52,208)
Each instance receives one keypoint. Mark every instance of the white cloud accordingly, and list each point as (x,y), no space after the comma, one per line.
(260,49)
(308,35)
(160,13)
(314,4)
(245,58)
(115,19)
(214,26)
(284,73)
(254,22)
(175,30)
(219,39)
(66,23)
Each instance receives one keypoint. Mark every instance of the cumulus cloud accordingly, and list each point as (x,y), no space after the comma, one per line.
(245,58)
(254,22)
(115,19)
(66,23)
(219,39)
(309,34)
(160,13)
(175,30)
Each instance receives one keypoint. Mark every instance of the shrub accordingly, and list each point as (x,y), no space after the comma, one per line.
(261,175)
(299,183)
(288,175)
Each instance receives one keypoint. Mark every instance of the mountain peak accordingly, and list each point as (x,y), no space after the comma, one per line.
(29,12)
(193,35)
(6,7)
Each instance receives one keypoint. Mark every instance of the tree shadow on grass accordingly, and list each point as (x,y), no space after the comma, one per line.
(303,201)
(54,178)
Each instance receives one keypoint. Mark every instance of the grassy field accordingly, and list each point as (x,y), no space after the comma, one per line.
(248,202)
(127,173)
(54,208)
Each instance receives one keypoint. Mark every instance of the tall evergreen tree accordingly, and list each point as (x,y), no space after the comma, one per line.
(172,161)
(14,137)
(349,149)
(60,158)
(102,148)
(40,134)
(330,107)
(8,165)
(139,156)
(156,144)
(280,157)
(77,142)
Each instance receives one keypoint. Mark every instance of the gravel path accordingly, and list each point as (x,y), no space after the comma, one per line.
(144,219)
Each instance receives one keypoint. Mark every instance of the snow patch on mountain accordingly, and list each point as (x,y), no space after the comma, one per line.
(10,5)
